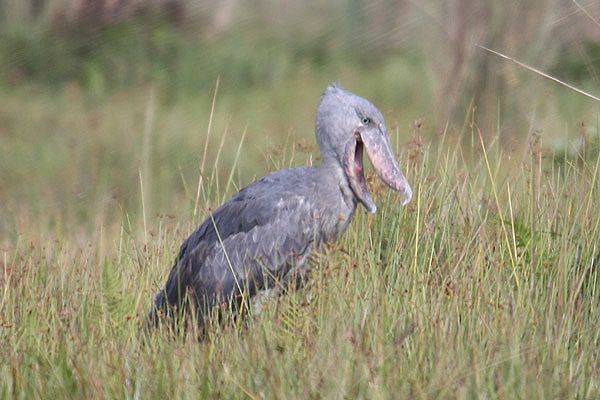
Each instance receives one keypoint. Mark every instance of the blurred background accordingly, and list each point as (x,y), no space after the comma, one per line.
(105,104)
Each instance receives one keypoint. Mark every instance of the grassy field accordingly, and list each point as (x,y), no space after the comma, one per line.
(486,285)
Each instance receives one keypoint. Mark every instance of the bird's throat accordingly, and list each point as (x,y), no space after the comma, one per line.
(354,170)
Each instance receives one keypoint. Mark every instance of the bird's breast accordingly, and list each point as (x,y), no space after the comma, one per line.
(336,216)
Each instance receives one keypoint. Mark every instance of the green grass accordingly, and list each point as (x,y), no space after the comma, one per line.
(486,285)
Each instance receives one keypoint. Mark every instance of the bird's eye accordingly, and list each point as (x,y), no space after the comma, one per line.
(366,120)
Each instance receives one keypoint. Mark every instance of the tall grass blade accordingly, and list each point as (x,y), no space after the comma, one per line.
(537,71)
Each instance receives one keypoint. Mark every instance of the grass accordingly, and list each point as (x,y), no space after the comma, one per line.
(486,285)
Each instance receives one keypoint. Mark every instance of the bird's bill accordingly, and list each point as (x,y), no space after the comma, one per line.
(353,166)
(384,162)
(379,150)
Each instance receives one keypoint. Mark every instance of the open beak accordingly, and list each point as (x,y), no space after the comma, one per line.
(383,160)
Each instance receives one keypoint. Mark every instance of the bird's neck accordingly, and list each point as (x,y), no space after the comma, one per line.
(332,166)
(330,159)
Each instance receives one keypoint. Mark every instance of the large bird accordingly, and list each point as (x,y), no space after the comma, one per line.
(268,230)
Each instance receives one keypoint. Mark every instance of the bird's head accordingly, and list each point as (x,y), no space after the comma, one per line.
(345,125)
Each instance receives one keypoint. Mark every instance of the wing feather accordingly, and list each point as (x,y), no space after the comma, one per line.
(259,240)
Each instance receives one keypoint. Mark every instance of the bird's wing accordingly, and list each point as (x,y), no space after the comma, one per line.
(246,242)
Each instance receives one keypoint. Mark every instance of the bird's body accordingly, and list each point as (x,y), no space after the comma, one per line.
(266,232)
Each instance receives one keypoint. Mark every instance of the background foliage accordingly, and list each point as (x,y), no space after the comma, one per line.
(486,285)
